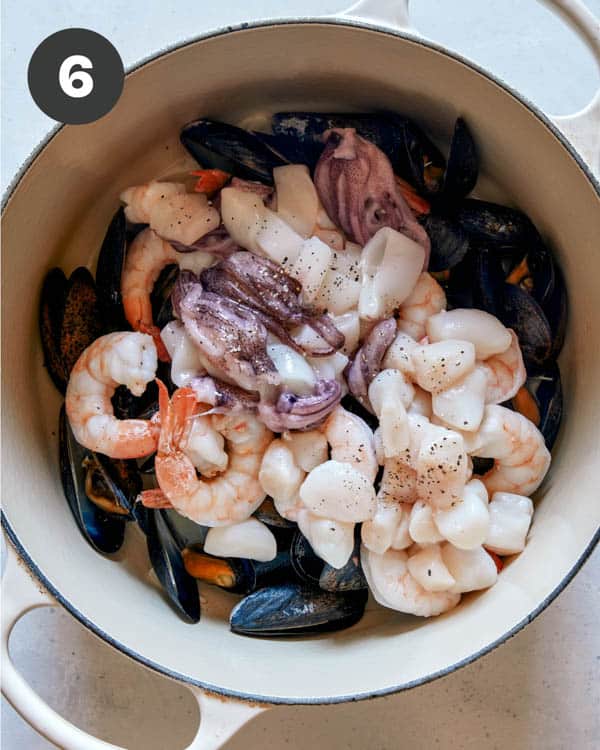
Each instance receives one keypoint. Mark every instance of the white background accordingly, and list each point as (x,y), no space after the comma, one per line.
(542,688)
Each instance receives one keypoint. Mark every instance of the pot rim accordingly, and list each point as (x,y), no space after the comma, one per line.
(278,700)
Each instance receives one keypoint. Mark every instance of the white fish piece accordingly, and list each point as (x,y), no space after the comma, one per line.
(341,286)
(297,198)
(186,362)
(348,323)
(309,448)
(250,539)
(390,263)
(440,365)
(484,331)
(510,519)
(398,356)
(421,403)
(390,393)
(461,405)
(330,367)
(195,262)
(140,200)
(254,227)
(331,540)
(426,299)
(393,586)
(184,217)
(337,490)
(471,569)
(311,266)
(466,524)
(205,447)
(296,373)
(427,568)
(388,528)
(422,528)
(279,475)
(441,467)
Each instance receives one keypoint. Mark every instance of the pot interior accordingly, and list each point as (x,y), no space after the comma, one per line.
(58,214)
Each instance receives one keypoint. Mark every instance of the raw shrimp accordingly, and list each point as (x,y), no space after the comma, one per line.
(230,497)
(351,441)
(516,444)
(122,358)
(427,298)
(145,259)
(505,373)
(393,586)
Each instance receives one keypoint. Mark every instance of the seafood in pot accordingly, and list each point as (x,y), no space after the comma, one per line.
(325,369)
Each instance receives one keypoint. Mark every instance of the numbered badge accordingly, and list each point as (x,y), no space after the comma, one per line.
(75,76)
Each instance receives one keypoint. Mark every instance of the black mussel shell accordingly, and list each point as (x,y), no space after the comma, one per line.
(52,306)
(348,578)
(306,564)
(542,268)
(162,307)
(105,532)
(293,149)
(267,513)
(546,388)
(523,314)
(495,225)
(488,280)
(293,609)
(556,310)
(463,164)
(449,243)
(122,478)
(167,561)
(81,322)
(128,406)
(419,161)
(218,145)
(459,285)
(308,128)
(108,274)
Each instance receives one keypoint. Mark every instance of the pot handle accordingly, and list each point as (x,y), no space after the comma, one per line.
(220,718)
(581,128)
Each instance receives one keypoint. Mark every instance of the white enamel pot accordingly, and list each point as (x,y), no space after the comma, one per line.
(57,213)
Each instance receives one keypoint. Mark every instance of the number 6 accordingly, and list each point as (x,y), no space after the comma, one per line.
(66,78)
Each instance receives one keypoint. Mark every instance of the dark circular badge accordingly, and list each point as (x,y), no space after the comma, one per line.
(75,76)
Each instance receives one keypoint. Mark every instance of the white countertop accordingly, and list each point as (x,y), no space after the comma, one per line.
(539,690)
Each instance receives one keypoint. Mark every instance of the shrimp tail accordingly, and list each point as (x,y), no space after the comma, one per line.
(154,331)
(154,499)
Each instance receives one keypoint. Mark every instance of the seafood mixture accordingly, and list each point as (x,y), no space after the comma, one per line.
(319,370)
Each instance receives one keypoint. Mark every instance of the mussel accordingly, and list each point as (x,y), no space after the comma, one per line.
(312,571)
(69,321)
(162,306)
(234,150)
(112,484)
(291,609)
(108,273)
(449,242)
(496,225)
(104,531)
(462,169)
(541,401)
(165,552)
(52,305)
(522,313)
(238,575)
